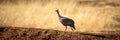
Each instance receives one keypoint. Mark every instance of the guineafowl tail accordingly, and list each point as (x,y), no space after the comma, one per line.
(73,26)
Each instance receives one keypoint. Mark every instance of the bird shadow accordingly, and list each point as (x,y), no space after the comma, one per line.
(96,35)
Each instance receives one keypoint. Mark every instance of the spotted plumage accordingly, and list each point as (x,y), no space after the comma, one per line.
(66,21)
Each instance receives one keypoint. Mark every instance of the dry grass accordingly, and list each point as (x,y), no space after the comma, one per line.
(88,15)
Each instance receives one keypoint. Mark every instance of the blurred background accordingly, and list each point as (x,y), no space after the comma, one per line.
(89,15)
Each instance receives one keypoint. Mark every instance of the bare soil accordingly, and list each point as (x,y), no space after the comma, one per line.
(18,33)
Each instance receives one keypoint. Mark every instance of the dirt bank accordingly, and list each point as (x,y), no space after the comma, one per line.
(16,33)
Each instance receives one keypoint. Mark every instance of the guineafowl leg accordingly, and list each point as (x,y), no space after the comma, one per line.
(71,28)
(65,28)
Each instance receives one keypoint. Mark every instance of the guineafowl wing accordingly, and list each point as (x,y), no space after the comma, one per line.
(68,21)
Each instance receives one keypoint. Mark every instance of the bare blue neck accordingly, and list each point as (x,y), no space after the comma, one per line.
(58,13)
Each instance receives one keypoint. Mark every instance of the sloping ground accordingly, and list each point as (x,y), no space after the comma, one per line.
(88,15)
(16,33)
